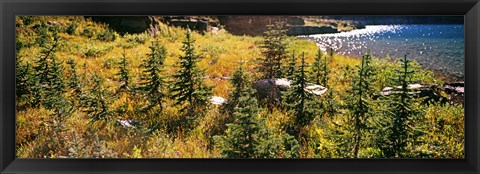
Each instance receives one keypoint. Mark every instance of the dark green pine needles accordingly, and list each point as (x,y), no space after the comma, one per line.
(96,102)
(74,81)
(274,51)
(189,89)
(49,79)
(242,136)
(319,71)
(153,85)
(292,65)
(360,100)
(299,100)
(397,125)
(123,74)
(249,136)
(239,82)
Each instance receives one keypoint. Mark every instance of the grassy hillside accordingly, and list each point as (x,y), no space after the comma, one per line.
(97,49)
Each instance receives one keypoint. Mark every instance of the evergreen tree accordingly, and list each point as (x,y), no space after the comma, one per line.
(249,136)
(55,87)
(22,82)
(330,101)
(42,34)
(153,83)
(244,135)
(74,80)
(292,65)
(274,50)
(96,102)
(360,101)
(326,71)
(396,129)
(319,75)
(123,74)
(319,71)
(300,100)
(189,89)
(61,110)
(49,80)
(42,63)
(239,81)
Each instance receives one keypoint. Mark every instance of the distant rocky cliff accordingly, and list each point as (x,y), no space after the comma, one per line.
(237,25)
(256,25)
(384,20)
(296,25)
(130,24)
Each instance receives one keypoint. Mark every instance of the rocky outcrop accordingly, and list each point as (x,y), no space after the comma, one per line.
(200,24)
(385,20)
(238,25)
(452,92)
(269,91)
(254,25)
(130,24)
(455,91)
(296,25)
(309,30)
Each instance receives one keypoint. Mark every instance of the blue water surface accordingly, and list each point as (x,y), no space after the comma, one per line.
(436,47)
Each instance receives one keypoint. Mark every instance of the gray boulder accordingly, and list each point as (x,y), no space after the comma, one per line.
(216,100)
(428,93)
(456,92)
(269,91)
(455,88)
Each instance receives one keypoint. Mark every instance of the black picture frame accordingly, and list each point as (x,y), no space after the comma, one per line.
(470,9)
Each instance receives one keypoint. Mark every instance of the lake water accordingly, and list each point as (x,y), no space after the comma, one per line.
(436,47)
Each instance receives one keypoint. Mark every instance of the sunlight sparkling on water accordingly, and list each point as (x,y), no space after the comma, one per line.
(437,47)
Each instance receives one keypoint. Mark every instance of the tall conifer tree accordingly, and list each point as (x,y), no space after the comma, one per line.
(50,82)
(153,84)
(123,74)
(189,89)
(319,71)
(96,102)
(292,65)
(23,83)
(396,129)
(74,81)
(274,50)
(360,101)
(239,82)
(249,136)
(300,100)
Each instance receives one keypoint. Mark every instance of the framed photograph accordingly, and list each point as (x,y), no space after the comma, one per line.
(239,87)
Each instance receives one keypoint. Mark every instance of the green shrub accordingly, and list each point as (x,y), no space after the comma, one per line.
(72,28)
(137,38)
(89,32)
(27,20)
(97,51)
(107,35)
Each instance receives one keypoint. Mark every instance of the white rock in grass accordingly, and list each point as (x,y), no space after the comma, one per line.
(415,86)
(217,100)
(126,123)
(282,83)
(316,89)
